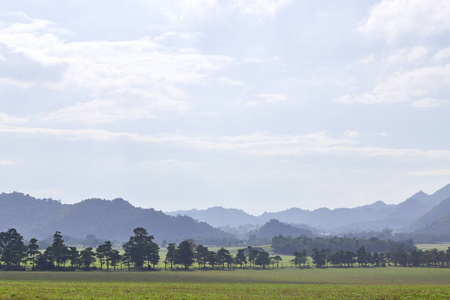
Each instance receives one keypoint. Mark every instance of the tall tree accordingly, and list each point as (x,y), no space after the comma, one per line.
(240,258)
(185,253)
(201,254)
(58,251)
(262,259)
(32,251)
(87,257)
(171,254)
(141,248)
(12,248)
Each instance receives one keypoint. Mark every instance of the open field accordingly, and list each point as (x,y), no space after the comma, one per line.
(440,247)
(378,283)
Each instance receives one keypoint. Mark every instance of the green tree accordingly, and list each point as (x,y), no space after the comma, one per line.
(212,258)
(12,248)
(262,259)
(277,259)
(318,258)
(32,251)
(87,257)
(74,256)
(141,248)
(171,255)
(58,251)
(361,256)
(300,258)
(185,253)
(240,258)
(201,254)
(223,256)
(114,258)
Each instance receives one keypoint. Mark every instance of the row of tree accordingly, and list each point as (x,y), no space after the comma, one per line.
(141,252)
(288,244)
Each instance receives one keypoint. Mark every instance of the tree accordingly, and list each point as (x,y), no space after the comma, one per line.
(185,253)
(318,258)
(361,256)
(171,254)
(58,252)
(32,251)
(224,256)
(104,252)
(201,254)
(141,248)
(252,253)
(212,258)
(262,259)
(277,259)
(74,256)
(87,257)
(240,258)
(114,258)
(300,258)
(12,248)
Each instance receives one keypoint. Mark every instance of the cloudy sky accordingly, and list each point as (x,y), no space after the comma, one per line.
(260,105)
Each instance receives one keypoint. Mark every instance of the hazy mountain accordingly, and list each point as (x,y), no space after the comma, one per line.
(376,216)
(275,228)
(433,219)
(219,216)
(114,219)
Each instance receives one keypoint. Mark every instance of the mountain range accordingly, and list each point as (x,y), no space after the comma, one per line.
(109,219)
(403,217)
(115,219)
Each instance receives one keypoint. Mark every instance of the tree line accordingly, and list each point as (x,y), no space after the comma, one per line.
(140,252)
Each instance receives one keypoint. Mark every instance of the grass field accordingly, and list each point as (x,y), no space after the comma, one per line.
(440,247)
(356,283)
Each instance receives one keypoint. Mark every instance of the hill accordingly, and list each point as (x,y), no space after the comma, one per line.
(109,219)
(376,216)
(275,228)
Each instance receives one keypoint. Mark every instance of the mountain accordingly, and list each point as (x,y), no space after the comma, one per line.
(109,219)
(376,216)
(433,221)
(219,216)
(275,228)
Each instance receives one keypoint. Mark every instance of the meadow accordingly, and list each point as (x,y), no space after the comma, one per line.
(330,283)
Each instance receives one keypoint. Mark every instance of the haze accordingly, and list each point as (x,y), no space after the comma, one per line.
(260,105)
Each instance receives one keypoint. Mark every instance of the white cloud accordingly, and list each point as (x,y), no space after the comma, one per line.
(267,99)
(5,162)
(407,55)
(437,173)
(178,10)
(404,86)
(441,55)
(350,134)
(429,103)
(127,79)
(7,119)
(395,18)
(255,144)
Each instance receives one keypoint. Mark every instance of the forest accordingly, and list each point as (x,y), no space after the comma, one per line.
(140,252)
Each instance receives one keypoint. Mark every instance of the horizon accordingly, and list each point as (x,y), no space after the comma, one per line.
(261,105)
(210,207)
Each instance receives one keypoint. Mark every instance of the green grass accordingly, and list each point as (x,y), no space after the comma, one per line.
(440,247)
(356,283)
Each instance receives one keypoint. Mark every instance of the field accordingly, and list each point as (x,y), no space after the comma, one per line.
(440,247)
(356,283)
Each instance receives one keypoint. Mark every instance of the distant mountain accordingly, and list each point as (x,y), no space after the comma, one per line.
(114,219)
(219,216)
(275,228)
(376,216)
(434,220)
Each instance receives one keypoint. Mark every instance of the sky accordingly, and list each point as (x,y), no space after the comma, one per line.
(260,105)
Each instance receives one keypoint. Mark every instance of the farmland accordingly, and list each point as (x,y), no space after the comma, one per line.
(387,283)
